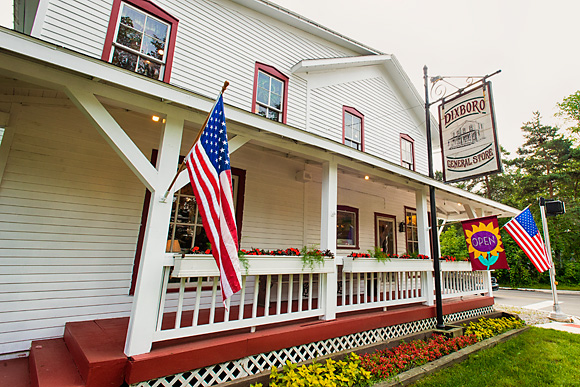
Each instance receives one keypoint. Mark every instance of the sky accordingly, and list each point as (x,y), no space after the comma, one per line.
(533,42)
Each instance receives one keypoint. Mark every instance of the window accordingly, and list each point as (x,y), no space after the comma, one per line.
(347,227)
(412,236)
(385,233)
(407,152)
(185,228)
(270,93)
(141,38)
(352,128)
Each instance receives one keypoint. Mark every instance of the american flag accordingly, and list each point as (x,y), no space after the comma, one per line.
(208,164)
(524,231)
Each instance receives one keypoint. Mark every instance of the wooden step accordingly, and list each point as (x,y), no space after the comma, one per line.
(15,373)
(51,365)
(97,349)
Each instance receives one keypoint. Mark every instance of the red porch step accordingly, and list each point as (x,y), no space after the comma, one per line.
(15,373)
(51,365)
(97,350)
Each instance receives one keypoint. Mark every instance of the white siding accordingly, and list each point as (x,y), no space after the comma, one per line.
(69,217)
(78,25)
(216,41)
(385,117)
(280,212)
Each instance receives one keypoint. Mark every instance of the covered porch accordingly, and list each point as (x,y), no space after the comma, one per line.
(176,304)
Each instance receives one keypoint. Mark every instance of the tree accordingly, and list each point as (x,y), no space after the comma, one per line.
(541,159)
(570,110)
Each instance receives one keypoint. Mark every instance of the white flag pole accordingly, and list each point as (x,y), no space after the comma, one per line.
(556,312)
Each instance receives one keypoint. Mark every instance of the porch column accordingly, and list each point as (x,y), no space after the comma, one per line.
(144,313)
(328,233)
(422,222)
(427,285)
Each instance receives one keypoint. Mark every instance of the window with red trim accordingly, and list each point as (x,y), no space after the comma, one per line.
(346,227)
(353,128)
(141,38)
(270,93)
(411,231)
(407,152)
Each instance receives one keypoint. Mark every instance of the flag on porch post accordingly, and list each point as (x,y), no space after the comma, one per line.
(208,165)
(524,231)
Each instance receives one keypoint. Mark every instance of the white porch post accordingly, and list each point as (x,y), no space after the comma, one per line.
(144,313)
(424,246)
(422,222)
(328,233)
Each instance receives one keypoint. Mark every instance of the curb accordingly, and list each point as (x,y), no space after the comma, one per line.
(573,292)
(413,375)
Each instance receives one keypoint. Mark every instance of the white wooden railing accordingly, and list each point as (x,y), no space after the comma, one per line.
(274,289)
(367,283)
(457,280)
(277,289)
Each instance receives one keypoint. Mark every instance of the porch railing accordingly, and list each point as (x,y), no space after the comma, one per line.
(279,289)
(274,289)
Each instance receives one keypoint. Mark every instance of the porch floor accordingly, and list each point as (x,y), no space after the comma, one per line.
(96,346)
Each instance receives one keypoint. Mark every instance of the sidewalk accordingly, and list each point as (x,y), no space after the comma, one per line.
(539,318)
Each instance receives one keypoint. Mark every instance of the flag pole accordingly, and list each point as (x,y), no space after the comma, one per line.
(556,314)
(182,165)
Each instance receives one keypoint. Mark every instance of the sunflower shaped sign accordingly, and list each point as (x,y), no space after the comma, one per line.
(484,244)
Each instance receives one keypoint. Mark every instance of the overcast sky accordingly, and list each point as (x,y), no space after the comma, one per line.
(533,42)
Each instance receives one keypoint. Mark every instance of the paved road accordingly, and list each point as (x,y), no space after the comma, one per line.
(569,303)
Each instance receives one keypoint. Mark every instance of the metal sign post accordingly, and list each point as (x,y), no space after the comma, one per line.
(434,234)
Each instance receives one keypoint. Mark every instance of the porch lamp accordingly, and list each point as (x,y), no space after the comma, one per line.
(434,246)
(402,227)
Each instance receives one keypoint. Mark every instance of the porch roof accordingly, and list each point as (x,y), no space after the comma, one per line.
(32,60)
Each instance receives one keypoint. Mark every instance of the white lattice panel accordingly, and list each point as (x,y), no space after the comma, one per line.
(252,365)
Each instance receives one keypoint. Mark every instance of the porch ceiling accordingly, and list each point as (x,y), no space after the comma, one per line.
(35,69)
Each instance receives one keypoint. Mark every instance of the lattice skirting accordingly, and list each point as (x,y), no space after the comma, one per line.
(255,364)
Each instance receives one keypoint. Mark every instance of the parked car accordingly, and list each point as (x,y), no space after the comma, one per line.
(494,284)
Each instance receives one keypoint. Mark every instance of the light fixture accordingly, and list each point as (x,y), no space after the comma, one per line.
(160,52)
(402,227)
(155,118)
(367,177)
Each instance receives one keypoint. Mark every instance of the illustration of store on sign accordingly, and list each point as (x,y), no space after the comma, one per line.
(469,133)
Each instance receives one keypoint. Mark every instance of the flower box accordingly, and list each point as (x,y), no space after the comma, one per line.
(201,265)
(455,266)
(367,265)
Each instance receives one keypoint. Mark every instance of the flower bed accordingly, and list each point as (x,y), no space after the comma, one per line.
(370,368)
(389,362)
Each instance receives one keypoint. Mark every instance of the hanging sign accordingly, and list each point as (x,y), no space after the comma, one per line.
(484,244)
(469,145)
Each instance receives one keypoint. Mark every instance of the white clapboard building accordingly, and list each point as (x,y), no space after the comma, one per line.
(99,100)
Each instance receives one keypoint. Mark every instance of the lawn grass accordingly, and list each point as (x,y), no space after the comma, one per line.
(537,357)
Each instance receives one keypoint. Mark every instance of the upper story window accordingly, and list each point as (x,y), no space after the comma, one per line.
(352,128)
(141,38)
(347,227)
(407,152)
(270,93)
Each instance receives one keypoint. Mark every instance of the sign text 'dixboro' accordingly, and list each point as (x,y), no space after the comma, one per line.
(468,108)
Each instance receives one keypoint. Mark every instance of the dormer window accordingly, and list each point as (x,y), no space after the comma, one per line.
(141,39)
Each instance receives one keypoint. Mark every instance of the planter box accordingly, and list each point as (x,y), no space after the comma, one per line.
(202,265)
(455,266)
(366,265)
